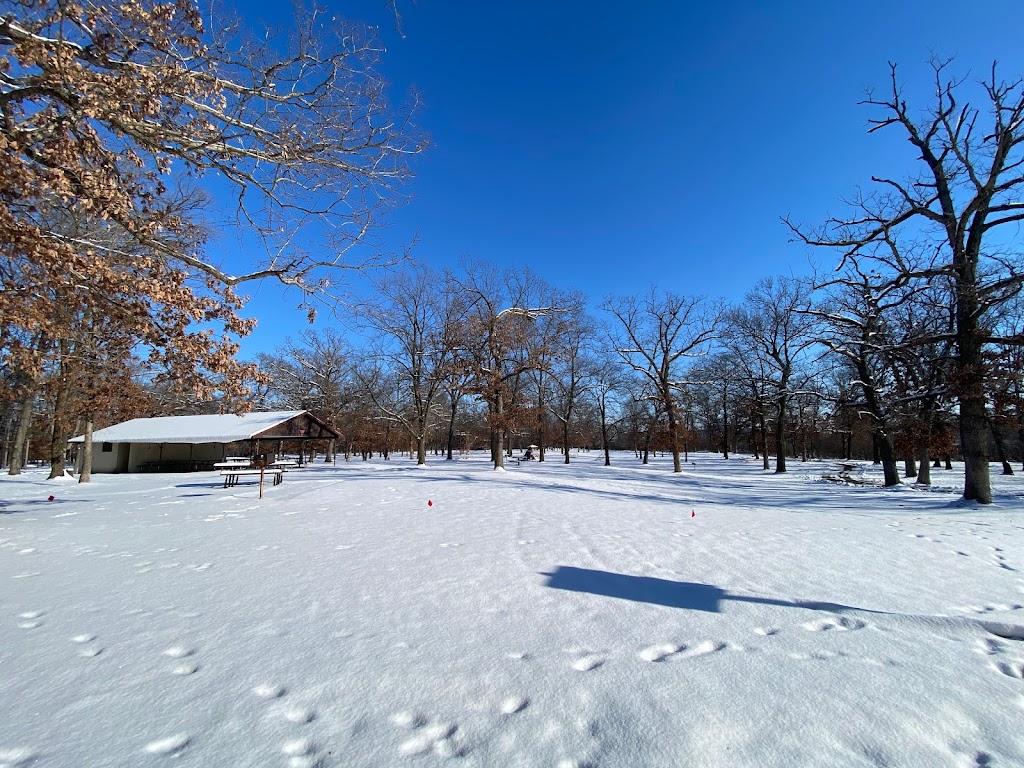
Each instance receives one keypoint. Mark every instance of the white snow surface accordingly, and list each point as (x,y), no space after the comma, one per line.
(552,615)
(209,428)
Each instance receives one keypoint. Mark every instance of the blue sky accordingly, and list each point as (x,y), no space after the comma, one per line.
(610,147)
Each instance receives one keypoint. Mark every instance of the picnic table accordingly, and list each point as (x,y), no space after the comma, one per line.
(233,463)
(231,475)
(284,464)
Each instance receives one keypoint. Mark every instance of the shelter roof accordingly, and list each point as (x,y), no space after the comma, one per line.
(213,428)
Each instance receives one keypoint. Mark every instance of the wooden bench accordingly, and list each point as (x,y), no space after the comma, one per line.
(232,464)
(231,475)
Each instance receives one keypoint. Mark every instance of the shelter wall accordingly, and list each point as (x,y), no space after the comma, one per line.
(141,453)
(104,461)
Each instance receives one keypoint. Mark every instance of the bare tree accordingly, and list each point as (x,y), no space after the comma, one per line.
(572,367)
(655,334)
(773,322)
(494,347)
(414,318)
(967,194)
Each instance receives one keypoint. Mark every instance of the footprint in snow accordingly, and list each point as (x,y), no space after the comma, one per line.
(17,756)
(269,691)
(187,668)
(298,748)
(443,739)
(178,652)
(409,719)
(587,663)
(989,647)
(708,646)
(299,715)
(514,704)
(659,652)
(172,745)
(837,623)
(1011,669)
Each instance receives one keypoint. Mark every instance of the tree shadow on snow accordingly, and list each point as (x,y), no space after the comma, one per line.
(672,594)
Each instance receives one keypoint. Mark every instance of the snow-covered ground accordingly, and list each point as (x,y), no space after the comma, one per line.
(376,614)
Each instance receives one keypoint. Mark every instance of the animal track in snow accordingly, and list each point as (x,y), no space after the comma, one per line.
(298,748)
(989,647)
(766,631)
(188,668)
(587,663)
(172,745)
(269,691)
(409,719)
(708,646)
(659,652)
(518,656)
(1011,669)
(17,757)
(439,738)
(178,652)
(31,615)
(299,715)
(514,704)
(91,652)
(86,638)
(837,623)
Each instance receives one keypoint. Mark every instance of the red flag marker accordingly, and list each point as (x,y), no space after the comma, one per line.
(430,503)
(692,513)
(50,498)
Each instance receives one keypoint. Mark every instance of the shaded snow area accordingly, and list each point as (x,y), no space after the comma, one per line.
(374,614)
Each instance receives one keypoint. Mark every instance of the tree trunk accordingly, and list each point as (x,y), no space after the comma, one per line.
(604,436)
(876,453)
(725,427)
(565,438)
(85,475)
(673,436)
(997,438)
(909,467)
(969,378)
(498,432)
(780,437)
(764,443)
(888,459)
(421,449)
(924,475)
(451,428)
(21,436)
(58,435)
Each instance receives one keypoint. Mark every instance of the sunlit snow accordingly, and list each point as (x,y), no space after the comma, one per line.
(550,615)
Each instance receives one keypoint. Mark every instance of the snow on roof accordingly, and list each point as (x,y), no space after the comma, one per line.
(215,428)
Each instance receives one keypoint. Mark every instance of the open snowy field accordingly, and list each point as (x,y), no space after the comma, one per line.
(376,614)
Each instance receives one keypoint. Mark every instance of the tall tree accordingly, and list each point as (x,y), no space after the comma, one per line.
(774,322)
(495,348)
(966,200)
(413,317)
(655,334)
(107,107)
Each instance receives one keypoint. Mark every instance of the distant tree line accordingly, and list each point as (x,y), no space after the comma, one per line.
(907,350)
